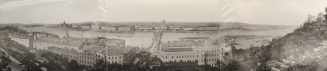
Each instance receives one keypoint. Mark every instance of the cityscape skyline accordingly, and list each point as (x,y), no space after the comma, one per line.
(246,11)
(163,35)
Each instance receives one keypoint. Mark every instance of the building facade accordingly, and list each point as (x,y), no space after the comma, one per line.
(191,49)
(71,48)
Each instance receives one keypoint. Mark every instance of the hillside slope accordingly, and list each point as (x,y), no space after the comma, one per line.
(304,48)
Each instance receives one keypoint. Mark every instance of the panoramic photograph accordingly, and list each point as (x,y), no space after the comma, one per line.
(163,35)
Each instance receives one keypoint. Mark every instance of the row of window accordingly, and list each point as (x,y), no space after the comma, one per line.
(192,60)
(93,62)
(189,56)
(183,56)
(210,55)
(214,50)
(210,60)
(115,57)
(115,62)
(92,56)
(87,62)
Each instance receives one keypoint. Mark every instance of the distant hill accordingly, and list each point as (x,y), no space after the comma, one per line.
(221,25)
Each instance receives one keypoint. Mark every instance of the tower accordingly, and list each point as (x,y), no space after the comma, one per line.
(32,40)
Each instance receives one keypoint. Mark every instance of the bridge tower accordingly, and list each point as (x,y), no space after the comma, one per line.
(32,39)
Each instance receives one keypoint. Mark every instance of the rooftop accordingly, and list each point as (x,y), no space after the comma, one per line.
(116,50)
(179,44)
(169,48)
(178,50)
(195,38)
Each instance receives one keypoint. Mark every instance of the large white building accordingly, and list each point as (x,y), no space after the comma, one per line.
(87,58)
(202,56)
(186,50)
(84,50)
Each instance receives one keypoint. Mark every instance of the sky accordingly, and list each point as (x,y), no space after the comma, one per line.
(274,12)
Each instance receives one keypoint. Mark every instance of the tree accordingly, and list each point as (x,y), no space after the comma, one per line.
(310,19)
(320,17)
(263,67)
(52,66)
(73,66)
(233,65)
(4,64)
(302,68)
(32,65)
(100,65)
(56,61)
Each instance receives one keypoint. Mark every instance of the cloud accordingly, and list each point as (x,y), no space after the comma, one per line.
(248,11)
(50,11)
(6,1)
(280,12)
(12,4)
